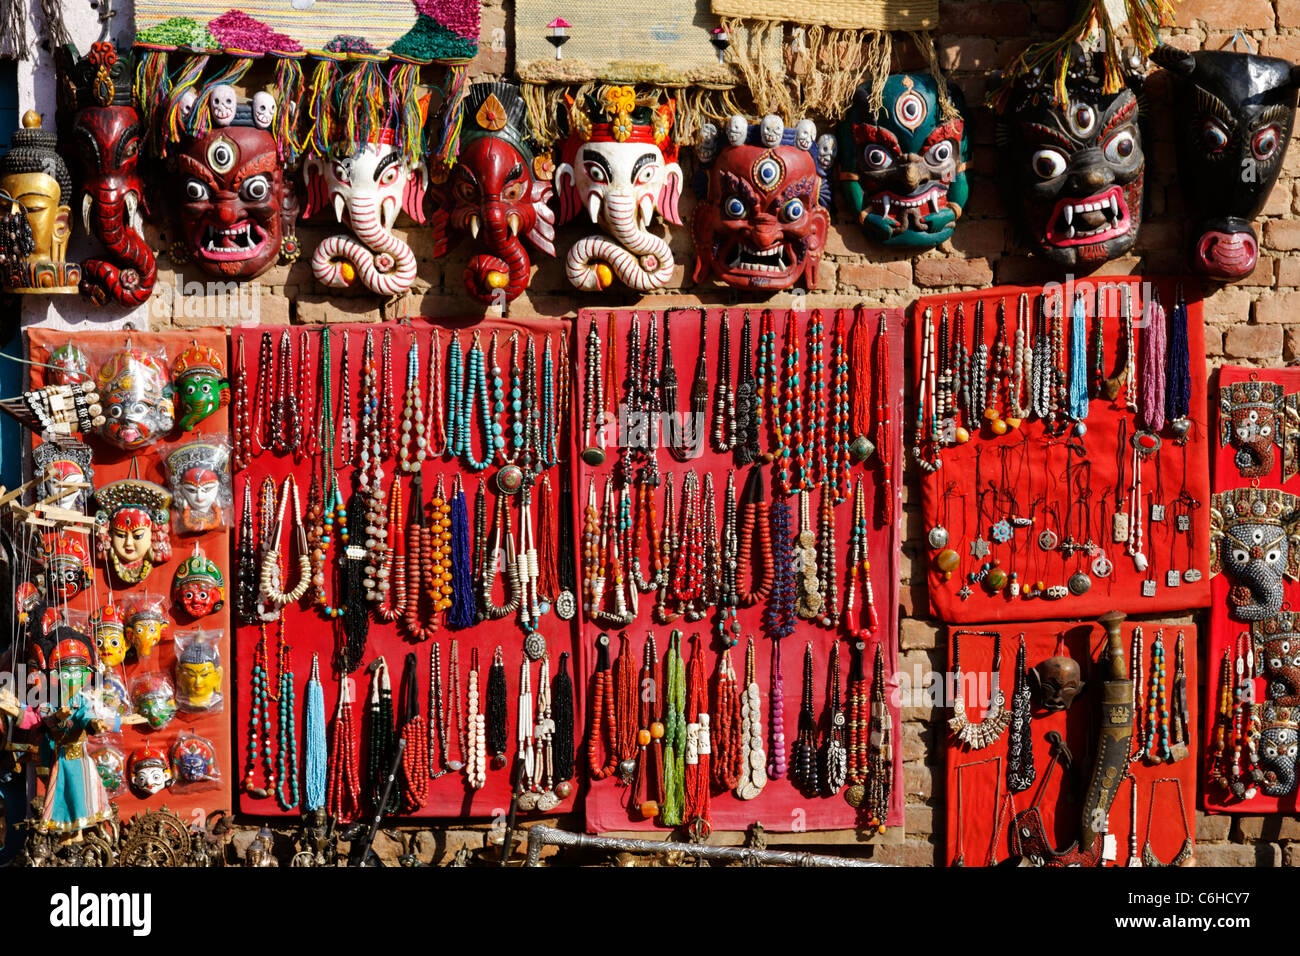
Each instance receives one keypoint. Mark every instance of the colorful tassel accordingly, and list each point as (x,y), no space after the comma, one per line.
(288,91)
(452,116)
(173,124)
(314,739)
(1152,396)
(153,86)
(408,106)
(320,108)
(362,104)
(200,121)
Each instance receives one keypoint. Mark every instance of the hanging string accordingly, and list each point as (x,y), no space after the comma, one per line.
(1152,396)
(1078,398)
(1178,395)
(320,108)
(314,739)
(288,93)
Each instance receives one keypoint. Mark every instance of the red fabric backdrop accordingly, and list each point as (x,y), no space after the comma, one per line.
(780,807)
(949,494)
(976,795)
(308,632)
(110,464)
(1224,629)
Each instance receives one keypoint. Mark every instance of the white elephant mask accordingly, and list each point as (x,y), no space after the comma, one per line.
(621,173)
(366,189)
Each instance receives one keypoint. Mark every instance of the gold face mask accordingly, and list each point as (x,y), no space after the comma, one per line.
(37,187)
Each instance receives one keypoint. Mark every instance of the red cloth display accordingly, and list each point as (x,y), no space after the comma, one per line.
(780,806)
(1033,466)
(976,786)
(1224,628)
(110,464)
(307,631)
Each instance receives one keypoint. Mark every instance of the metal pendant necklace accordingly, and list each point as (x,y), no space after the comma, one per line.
(1185,852)
(979,734)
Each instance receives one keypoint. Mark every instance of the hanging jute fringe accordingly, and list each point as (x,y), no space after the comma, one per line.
(548,103)
(872,15)
(13,29)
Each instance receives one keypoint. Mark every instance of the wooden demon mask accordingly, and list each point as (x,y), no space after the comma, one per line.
(498,192)
(1233,114)
(761,223)
(1074,169)
(903,166)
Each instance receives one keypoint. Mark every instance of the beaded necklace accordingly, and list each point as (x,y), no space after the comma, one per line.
(754,515)
(347,425)
(859,570)
(343,801)
(698,608)
(593,399)
(665,610)
(390,581)
(288,440)
(562,709)
(463,611)
(727,748)
(417,572)
(978,735)
(858,726)
(688,572)
(1185,852)
(623,679)
(779,614)
(753,761)
(861,447)
(776,763)
(454,760)
(526,756)
(810,601)
(476,733)
(525,580)
(246,562)
(503,532)
(789,421)
(766,389)
(1180,733)
(435,413)
(414,444)
(834,753)
(496,710)
(1022,363)
(507,451)
(240,419)
(602,732)
(266,501)
(647,784)
(310,444)
(609,569)
(266,413)
(634,437)
(803,755)
(926,402)
(880,761)
(645,527)
(437,577)
(436,747)
(818,462)
(728,599)
(414,779)
(839,411)
(1155,743)
(696,809)
(259,723)
(381,740)
(674,802)
(286,756)
(827,572)
(548,579)
(550,423)
(475,385)
(271,574)
(724,398)
(695,427)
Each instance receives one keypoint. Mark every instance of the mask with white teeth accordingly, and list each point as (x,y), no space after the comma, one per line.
(903,167)
(1076,169)
(761,222)
(235,213)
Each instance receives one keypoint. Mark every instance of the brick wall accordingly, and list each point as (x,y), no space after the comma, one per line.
(1250,322)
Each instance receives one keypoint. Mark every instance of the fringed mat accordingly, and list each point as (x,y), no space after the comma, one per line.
(837,14)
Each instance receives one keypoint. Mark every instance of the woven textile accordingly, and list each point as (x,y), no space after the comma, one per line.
(837,14)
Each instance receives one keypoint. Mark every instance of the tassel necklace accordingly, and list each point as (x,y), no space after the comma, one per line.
(602,730)
(861,447)
(728,749)
(673,808)
(414,773)
(314,763)
(563,742)
(647,784)
(1151,410)
(344,788)
(696,811)
(753,761)
(834,753)
(498,731)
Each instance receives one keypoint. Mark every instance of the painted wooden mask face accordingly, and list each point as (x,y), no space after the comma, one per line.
(201,384)
(499,191)
(1076,169)
(232,201)
(762,224)
(199,586)
(1233,114)
(35,219)
(137,396)
(903,167)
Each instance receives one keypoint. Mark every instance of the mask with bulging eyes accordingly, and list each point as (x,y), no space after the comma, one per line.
(1254,541)
(1074,170)
(1233,116)
(1279,745)
(1253,418)
(1277,649)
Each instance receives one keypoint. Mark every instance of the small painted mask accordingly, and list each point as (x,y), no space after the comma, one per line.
(1233,114)
(1075,169)
(136,393)
(61,464)
(194,759)
(1056,681)
(155,700)
(762,224)
(620,168)
(903,167)
(67,566)
(131,523)
(200,481)
(147,624)
(498,192)
(110,764)
(151,772)
(201,385)
(108,627)
(235,213)
(199,586)
(1254,538)
(71,366)
(199,675)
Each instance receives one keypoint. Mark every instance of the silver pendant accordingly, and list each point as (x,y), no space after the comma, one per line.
(1119,526)
(1047,540)
(1079,583)
(1102,566)
(535,646)
(938,536)
(1149,588)
(1192,575)
(1173,579)
(979,548)
(1157,512)
(547,800)
(527,801)
(566,605)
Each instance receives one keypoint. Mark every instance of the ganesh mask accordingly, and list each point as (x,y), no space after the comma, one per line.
(620,167)
(903,167)
(499,191)
(366,188)
(107,135)
(1279,743)
(1256,542)
(1075,168)
(1277,653)
(236,213)
(1257,418)
(762,224)
(1233,114)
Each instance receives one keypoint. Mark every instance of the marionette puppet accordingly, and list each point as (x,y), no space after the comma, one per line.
(35,214)
(107,138)
(762,222)
(67,566)
(620,168)
(498,193)
(1233,115)
(903,163)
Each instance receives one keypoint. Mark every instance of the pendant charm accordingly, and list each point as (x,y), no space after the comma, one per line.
(1192,575)
(1047,540)
(527,801)
(1145,444)
(1139,562)
(1102,567)
(965,592)
(855,794)
(979,548)
(1002,531)
(1173,579)
(547,801)
(1079,583)
(1183,522)
(1056,592)
(1149,588)
(938,536)
(535,646)
(595,457)
(1157,512)
(510,479)
(566,605)
(1179,428)
(861,448)
(1119,527)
